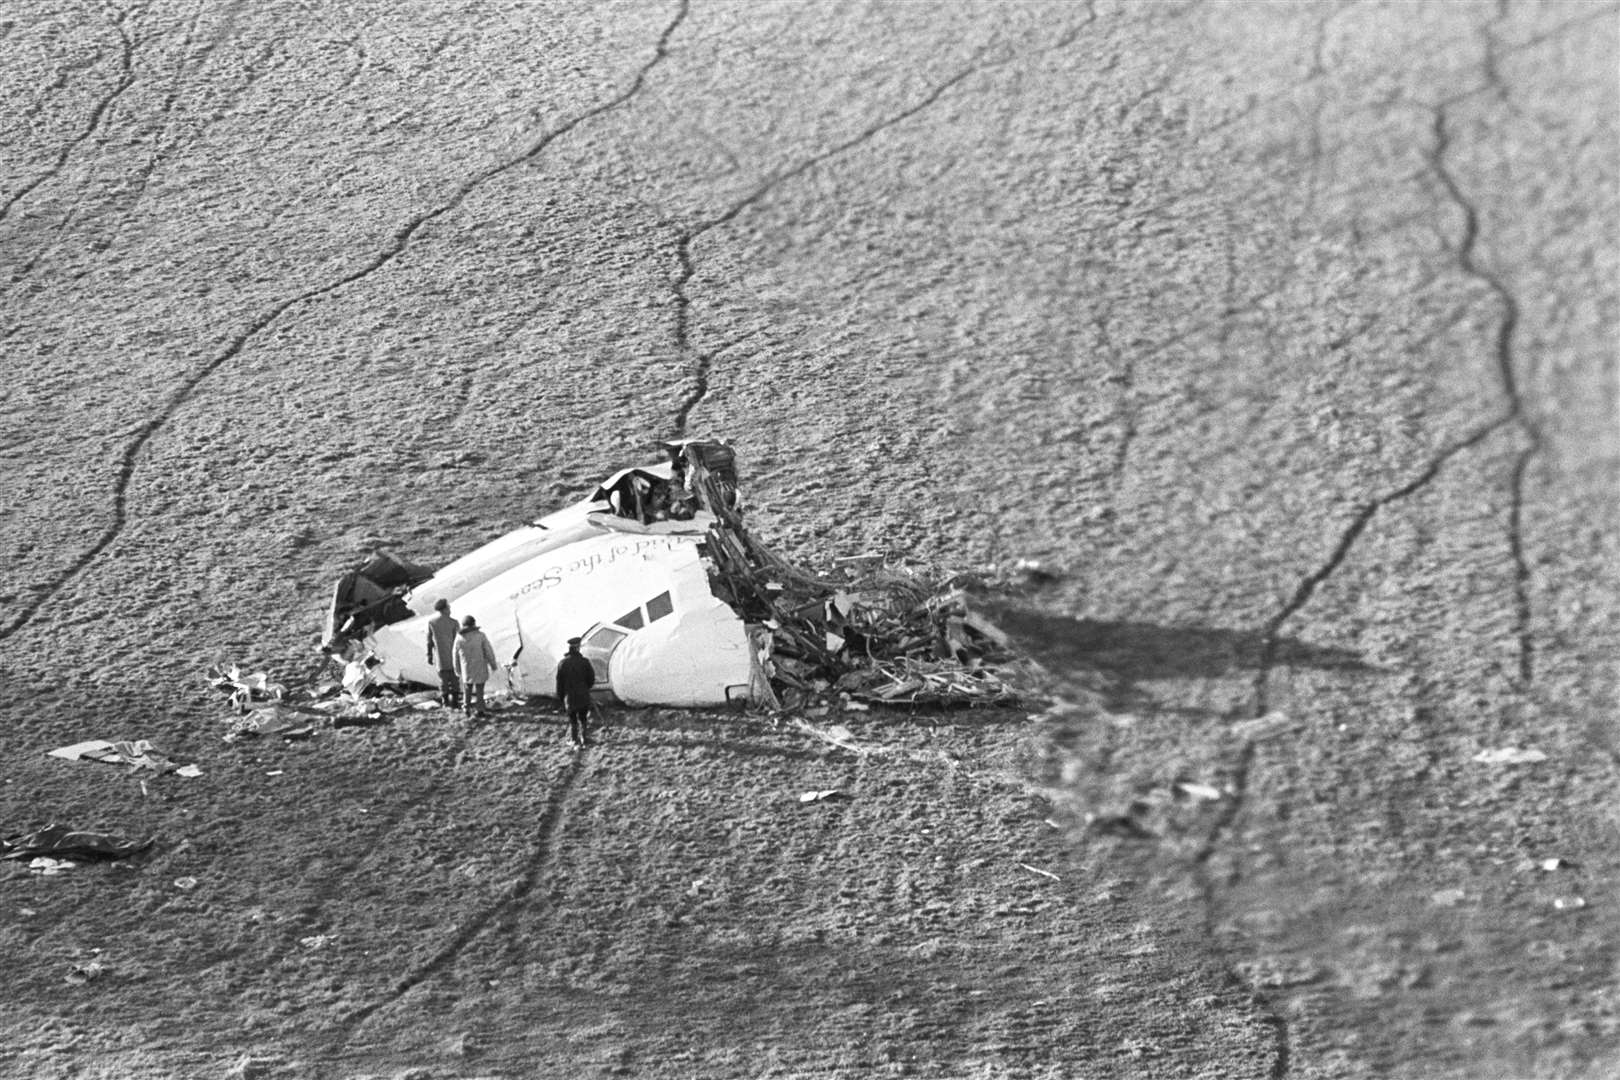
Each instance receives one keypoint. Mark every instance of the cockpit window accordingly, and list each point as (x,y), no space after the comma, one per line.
(659,606)
(604,638)
(599,646)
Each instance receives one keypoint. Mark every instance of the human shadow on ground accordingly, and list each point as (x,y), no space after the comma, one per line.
(1141,651)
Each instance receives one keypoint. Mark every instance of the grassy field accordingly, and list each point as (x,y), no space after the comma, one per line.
(1284,335)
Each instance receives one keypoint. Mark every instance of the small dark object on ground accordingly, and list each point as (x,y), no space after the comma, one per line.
(59,840)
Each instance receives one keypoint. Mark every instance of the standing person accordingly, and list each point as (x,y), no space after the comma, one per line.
(475,659)
(575,677)
(441,639)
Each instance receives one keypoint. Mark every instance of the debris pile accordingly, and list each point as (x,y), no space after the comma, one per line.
(887,636)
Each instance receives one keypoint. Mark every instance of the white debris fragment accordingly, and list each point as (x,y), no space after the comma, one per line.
(78,750)
(836,734)
(49,867)
(1261,728)
(356,677)
(1509,755)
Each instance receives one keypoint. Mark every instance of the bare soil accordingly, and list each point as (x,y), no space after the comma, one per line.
(1283,335)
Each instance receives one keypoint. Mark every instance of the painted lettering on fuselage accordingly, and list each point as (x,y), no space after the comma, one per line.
(597,560)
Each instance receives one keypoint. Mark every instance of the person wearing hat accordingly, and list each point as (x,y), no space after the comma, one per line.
(441,639)
(575,677)
(475,659)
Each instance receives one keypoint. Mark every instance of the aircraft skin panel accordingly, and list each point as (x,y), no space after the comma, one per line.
(688,660)
(460,577)
(555,530)
(606,579)
(542,602)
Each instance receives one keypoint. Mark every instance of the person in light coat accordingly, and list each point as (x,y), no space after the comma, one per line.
(475,659)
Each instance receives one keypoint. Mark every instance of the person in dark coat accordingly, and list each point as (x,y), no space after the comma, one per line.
(441,640)
(575,677)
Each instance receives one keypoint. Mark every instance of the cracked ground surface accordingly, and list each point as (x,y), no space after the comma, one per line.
(1286,332)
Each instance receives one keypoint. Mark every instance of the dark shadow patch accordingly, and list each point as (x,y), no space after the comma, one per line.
(1141,651)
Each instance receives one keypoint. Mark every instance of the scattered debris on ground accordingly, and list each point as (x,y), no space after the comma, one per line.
(301,713)
(58,840)
(138,754)
(836,735)
(84,973)
(279,722)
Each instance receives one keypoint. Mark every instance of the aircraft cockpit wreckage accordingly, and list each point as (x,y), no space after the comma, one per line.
(677,604)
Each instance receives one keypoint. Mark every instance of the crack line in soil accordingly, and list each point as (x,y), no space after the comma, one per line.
(1314,78)
(1516,416)
(683,242)
(1270,636)
(60,82)
(159,127)
(1129,408)
(1507,373)
(683,248)
(165,121)
(125,80)
(545,832)
(401,240)
(1522,613)
(1238,786)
